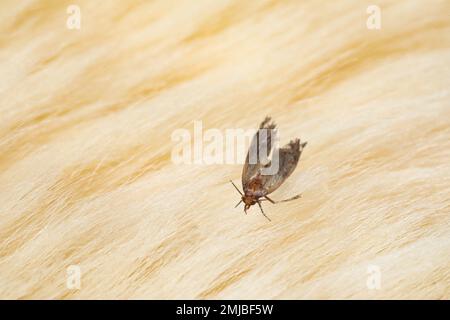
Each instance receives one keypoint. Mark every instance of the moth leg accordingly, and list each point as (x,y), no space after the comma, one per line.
(262,211)
(269,199)
(293,198)
(285,200)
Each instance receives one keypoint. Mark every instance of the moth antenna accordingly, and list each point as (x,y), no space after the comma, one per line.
(262,211)
(238,203)
(236,188)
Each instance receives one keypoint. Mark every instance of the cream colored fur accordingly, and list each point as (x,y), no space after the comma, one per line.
(86,176)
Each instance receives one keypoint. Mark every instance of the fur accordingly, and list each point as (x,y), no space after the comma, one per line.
(86,176)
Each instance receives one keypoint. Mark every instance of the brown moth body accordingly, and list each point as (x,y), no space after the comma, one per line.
(256,183)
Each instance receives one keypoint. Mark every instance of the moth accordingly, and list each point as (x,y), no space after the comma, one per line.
(256,183)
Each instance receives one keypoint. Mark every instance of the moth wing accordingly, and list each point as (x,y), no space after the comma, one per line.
(288,159)
(261,140)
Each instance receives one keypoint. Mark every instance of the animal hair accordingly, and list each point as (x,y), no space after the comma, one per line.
(87,178)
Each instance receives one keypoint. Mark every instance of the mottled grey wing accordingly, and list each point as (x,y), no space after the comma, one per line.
(288,159)
(259,140)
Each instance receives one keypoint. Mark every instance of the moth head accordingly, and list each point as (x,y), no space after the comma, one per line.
(248,200)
